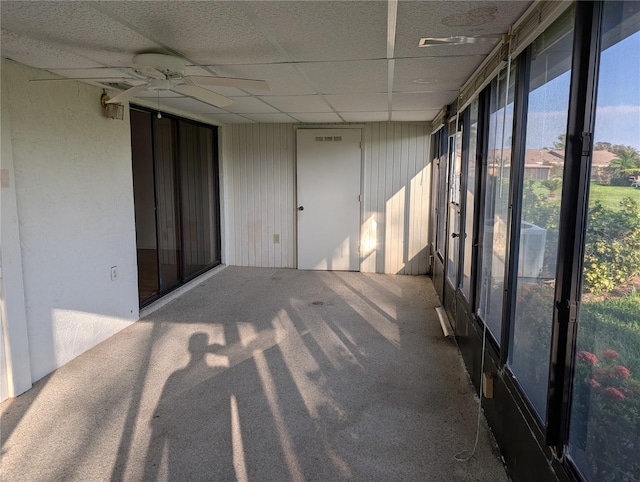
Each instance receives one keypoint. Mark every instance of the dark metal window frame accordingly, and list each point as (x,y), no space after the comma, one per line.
(572,226)
(516,185)
(553,431)
(573,220)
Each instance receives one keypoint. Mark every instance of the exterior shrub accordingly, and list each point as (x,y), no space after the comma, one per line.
(605,422)
(612,248)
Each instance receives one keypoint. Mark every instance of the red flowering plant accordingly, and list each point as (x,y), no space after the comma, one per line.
(605,421)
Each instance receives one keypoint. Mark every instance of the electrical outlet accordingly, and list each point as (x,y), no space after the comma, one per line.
(276,239)
(114,273)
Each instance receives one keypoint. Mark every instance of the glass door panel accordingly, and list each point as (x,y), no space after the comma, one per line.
(496,215)
(469,201)
(453,232)
(605,418)
(442,169)
(145,204)
(164,136)
(548,101)
(198,192)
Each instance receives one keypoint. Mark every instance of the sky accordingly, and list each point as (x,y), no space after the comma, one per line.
(618,103)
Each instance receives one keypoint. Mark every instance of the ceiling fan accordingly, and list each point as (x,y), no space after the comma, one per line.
(168,72)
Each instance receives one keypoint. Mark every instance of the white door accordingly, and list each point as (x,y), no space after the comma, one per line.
(329,199)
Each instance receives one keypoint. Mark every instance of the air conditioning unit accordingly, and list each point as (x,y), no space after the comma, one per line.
(532,243)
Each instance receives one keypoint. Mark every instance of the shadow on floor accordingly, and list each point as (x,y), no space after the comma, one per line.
(264,374)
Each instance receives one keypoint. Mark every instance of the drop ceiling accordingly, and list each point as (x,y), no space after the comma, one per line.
(325,61)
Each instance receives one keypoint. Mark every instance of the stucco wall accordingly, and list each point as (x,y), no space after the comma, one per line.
(73,190)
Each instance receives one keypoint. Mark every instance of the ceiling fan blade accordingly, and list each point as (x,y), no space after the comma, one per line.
(228,82)
(86,79)
(203,95)
(127,94)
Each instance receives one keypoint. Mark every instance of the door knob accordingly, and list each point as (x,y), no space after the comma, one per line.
(455,235)
(301,208)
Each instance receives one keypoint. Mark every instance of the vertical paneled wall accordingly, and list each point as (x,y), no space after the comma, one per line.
(395,226)
(259,195)
(258,165)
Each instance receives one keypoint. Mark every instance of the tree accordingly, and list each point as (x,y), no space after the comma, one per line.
(561,142)
(602,146)
(625,164)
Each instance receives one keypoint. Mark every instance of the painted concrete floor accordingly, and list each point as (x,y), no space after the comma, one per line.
(261,375)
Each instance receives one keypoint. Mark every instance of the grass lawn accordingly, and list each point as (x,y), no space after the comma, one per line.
(610,196)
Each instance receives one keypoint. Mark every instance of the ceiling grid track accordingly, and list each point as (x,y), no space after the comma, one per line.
(253,18)
(392,17)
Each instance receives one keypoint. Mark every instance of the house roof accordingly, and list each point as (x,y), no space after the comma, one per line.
(325,61)
(541,157)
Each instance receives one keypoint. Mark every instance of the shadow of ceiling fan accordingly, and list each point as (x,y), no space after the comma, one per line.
(168,72)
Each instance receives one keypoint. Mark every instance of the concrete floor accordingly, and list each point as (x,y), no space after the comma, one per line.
(263,375)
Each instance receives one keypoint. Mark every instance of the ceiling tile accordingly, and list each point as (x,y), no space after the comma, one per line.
(449,18)
(283,79)
(327,30)
(190,105)
(101,73)
(442,73)
(75,27)
(298,103)
(347,77)
(422,101)
(250,105)
(228,119)
(365,116)
(317,117)
(414,115)
(39,54)
(271,118)
(205,32)
(359,102)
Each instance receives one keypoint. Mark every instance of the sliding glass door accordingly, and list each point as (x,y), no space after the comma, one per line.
(175,173)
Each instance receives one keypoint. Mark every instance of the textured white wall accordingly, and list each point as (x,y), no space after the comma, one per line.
(258,165)
(15,365)
(76,217)
(259,196)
